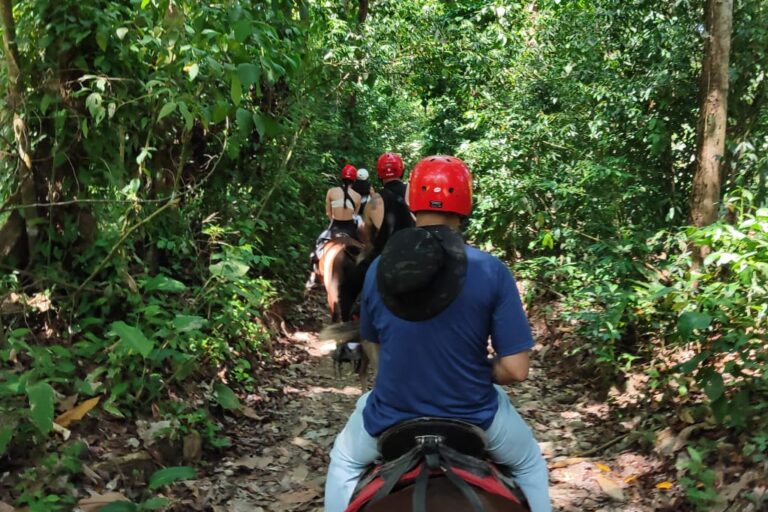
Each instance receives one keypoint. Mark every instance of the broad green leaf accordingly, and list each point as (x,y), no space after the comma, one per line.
(94,105)
(120,506)
(189,120)
(714,387)
(7,428)
(145,3)
(169,475)
(244,121)
(265,125)
(193,71)
(41,398)
(46,102)
(691,320)
(121,32)
(695,454)
(243,29)
(230,269)
(248,74)
(225,396)
(236,90)
(162,283)
(186,323)
(133,338)
(220,112)
(167,110)
(101,40)
(155,503)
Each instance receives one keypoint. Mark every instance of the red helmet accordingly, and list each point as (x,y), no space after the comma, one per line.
(440,184)
(390,165)
(349,172)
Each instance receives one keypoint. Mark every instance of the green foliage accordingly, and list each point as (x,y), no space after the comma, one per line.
(186,147)
(167,476)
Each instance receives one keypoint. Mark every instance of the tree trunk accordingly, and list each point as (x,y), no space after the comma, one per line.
(27,192)
(362,11)
(711,129)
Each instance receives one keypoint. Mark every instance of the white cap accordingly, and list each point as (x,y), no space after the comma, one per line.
(362,174)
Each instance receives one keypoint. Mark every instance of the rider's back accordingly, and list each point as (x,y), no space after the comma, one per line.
(396,214)
(439,367)
(343,206)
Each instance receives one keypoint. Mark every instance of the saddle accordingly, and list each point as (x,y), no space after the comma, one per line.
(414,451)
(352,246)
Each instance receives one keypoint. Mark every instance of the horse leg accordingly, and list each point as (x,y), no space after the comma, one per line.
(370,360)
(362,372)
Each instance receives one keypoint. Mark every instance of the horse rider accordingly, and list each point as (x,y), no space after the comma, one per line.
(431,302)
(363,187)
(387,211)
(341,205)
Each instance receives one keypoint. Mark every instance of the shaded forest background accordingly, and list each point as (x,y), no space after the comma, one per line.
(163,164)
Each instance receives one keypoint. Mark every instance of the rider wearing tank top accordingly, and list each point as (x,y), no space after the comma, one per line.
(387,211)
(342,204)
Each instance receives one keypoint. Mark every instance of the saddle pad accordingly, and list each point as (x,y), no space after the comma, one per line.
(489,483)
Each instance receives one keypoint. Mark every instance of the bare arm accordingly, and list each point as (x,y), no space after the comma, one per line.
(370,226)
(510,369)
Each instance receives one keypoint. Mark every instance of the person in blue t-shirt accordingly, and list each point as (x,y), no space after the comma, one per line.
(431,302)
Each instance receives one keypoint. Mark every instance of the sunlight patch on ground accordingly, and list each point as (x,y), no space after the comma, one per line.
(346,390)
(303,336)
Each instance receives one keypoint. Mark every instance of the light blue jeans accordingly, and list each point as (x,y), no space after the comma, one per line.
(510,443)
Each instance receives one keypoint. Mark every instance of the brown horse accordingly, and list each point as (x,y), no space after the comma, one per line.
(337,267)
(443,496)
(343,280)
(435,465)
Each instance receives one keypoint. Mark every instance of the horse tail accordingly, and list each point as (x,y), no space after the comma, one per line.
(342,332)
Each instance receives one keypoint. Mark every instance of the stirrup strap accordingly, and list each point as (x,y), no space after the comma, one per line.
(393,474)
(466,489)
(434,459)
(419,501)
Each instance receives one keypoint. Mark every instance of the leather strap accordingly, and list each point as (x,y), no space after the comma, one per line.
(419,503)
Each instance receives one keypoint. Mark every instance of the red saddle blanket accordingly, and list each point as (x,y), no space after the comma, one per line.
(489,483)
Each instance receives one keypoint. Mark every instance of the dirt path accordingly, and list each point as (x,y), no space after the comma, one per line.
(279,464)
(287,472)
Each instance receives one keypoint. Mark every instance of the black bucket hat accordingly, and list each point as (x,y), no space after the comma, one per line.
(421,271)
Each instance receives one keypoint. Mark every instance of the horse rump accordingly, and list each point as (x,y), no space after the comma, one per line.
(341,332)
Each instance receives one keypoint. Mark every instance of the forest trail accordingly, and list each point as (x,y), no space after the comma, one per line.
(279,465)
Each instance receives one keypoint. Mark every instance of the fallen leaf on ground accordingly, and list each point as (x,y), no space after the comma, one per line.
(192,447)
(68,403)
(300,473)
(253,462)
(664,485)
(729,493)
(665,442)
(77,413)
(4,507)
(98,501)
(630,479)
(250,412)
(149,432)
(301,442)
(63,432)
(603,467)
(299,496)
(610,488)
(566,462)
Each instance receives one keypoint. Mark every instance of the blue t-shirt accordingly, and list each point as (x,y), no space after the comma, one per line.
(439,367)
